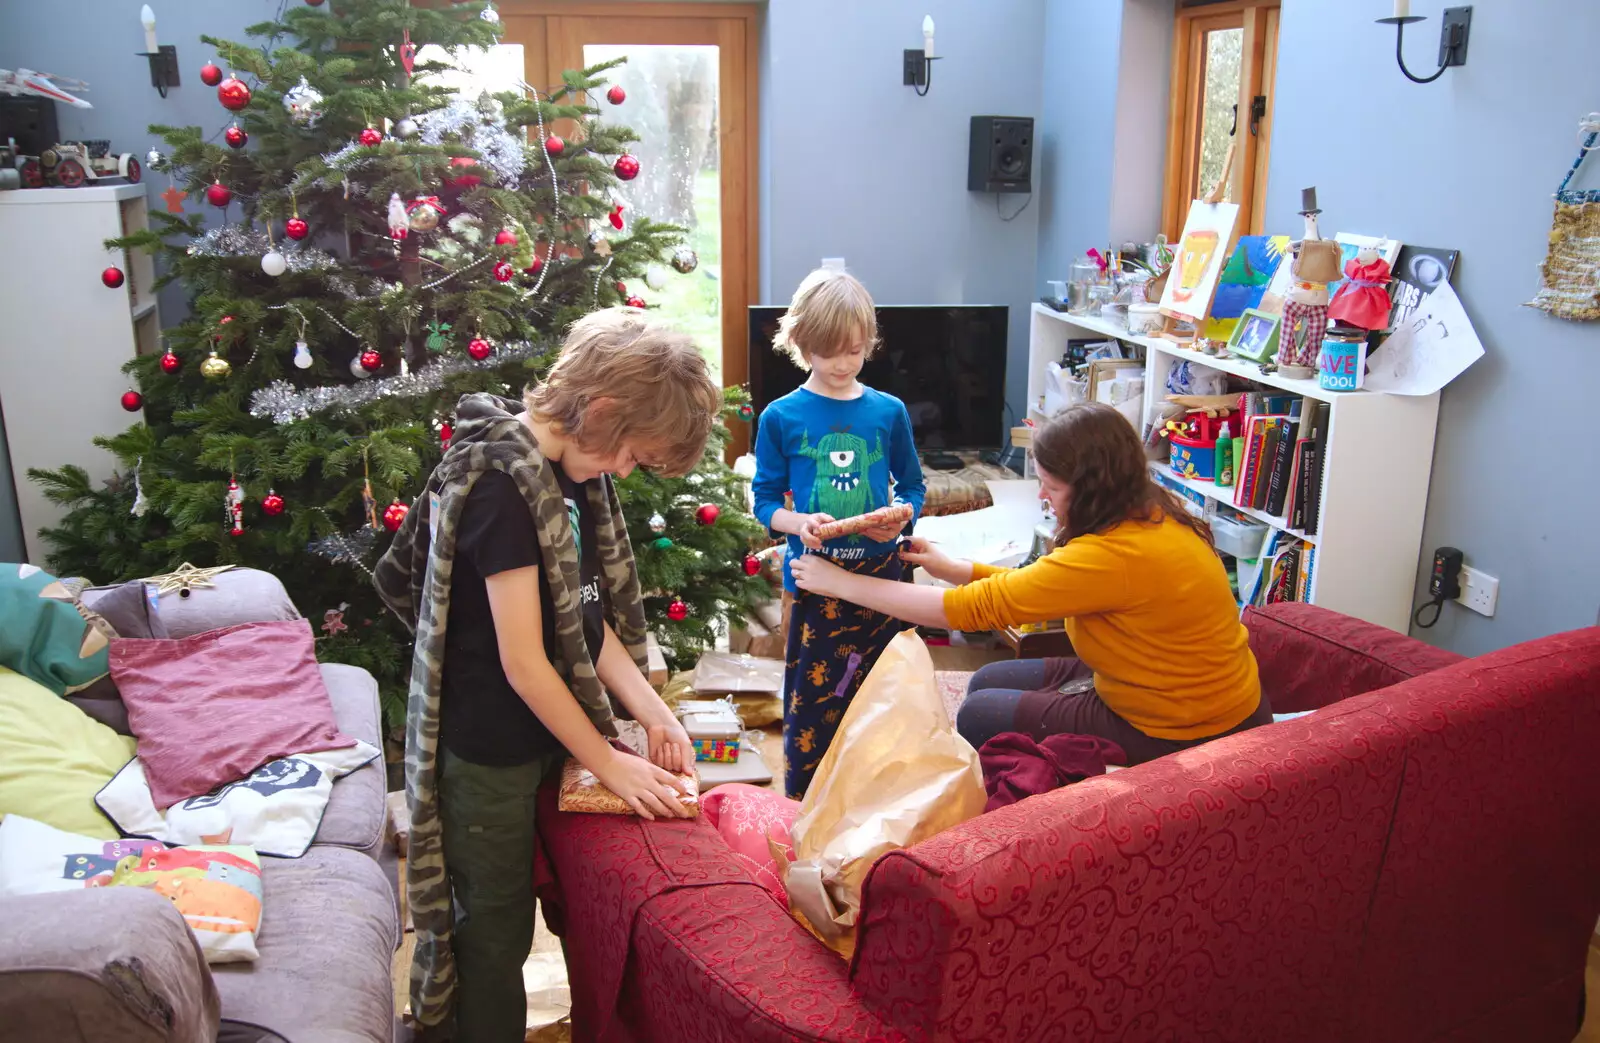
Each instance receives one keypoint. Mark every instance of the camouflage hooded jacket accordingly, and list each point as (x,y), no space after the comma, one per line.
(413,578)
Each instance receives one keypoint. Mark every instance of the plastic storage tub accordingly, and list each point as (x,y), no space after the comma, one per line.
(1242,539)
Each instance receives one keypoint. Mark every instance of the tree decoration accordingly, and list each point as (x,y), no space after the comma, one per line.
(406,128)
(554,145)
(616,95)
(423,213)
(479,348)
(677,611)
(446,433)
(371,136)
(747,412)
(505,237)
(394,515)
(295,228)
(685,260)
(371,361)
(464,180)
(272,504)
(303,103)
(616,216)
(170,363)
(655,277)
(751,564)
(132,401)
(302,355)
(707,513)
(369,502)
(112,277)
(657,523)
(236,137)
(499,149)
(233,94)
(219,195)
(661,542)
(438,336)
(535,267)
(637,301)
(215,367)
(503,271)
(274,263)
(210,75)
(153,159)
(399,223)
(233,507)
(626,167)
(357,370)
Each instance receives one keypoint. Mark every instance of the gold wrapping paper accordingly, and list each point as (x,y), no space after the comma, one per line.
(582,792)
(896,774)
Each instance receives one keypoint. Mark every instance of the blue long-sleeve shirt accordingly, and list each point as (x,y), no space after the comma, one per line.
(839,457)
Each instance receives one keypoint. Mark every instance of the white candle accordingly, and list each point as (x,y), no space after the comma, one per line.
(1402,8)
(927,36)
(148,17)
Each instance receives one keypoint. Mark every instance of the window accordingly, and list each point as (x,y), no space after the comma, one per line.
(1224,61)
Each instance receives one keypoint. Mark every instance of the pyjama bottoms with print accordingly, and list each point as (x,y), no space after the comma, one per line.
(832,644)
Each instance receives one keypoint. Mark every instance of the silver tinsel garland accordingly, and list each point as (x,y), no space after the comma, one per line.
(239,241)
(502,152)
(284,403)
(345,548)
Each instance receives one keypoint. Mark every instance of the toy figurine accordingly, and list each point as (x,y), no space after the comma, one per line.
(1363,298)
(1305,312)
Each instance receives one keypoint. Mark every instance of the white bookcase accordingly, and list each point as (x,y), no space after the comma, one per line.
(1374,478)
(64,336)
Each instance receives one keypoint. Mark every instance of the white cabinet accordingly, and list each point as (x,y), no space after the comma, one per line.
(64,336)
(1374,481)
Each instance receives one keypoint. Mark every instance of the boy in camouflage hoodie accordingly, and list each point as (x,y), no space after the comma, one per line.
(514,570)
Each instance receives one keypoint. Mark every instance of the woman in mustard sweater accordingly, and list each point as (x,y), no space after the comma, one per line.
(1163,661)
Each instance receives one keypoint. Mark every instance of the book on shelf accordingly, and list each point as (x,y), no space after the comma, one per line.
(1282,462)
(1313,485)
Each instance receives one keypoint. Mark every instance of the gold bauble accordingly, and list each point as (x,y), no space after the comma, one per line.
(215,367)
(424,218)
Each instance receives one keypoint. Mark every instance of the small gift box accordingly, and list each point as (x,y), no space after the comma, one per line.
(714,728)
(581,791)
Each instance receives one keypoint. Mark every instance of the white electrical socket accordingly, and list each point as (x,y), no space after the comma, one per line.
(1479,591)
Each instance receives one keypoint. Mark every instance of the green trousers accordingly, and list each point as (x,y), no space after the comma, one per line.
(487,814)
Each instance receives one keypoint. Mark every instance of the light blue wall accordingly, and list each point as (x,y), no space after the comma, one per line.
(1470,162)
(855,165)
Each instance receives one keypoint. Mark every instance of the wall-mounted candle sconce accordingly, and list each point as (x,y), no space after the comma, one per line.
(1452,38)
(918,65)
(163,59)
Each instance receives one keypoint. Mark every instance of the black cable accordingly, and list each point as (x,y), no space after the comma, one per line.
(1020,209)
(1437,604)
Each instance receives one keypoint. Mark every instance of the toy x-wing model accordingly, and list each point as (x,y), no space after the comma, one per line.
(43,85)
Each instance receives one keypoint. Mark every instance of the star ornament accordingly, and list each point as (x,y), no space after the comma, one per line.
(186,578)
(174,199)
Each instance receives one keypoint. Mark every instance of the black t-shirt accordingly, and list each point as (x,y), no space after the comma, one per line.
(482,718)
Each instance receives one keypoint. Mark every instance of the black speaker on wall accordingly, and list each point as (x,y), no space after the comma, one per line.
(1000,155)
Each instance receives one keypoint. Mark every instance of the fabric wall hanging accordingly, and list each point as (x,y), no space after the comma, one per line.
(1571,269)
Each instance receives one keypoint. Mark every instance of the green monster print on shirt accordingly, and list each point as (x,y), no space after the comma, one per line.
(842,488)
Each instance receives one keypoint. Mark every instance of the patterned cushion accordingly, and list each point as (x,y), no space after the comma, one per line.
(1310,657)
(46,634)
(747,817)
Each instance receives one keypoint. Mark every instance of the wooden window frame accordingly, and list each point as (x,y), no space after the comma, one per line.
(1258,69)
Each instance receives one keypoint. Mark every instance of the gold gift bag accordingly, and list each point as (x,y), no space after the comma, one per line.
(1571,269)
(896,774)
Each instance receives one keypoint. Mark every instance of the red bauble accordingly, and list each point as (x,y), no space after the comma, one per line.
(313,3)
(622,287)
(371,361)
(446,432)
(112,277)
(170,363)
(535,268)
(554,145)
(219,194)
(236,137)
(371,136)
(479,348)
(272,504)
(233,94)
(707,513)
(677,611)
(394,514)
(210,75)
(464,180)
(636,301)
(295,228)
(505,237)
(503,271)
(132,401)
(626,167)
(616,95)
(752,564)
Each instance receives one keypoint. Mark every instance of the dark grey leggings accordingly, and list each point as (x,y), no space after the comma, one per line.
(992,696)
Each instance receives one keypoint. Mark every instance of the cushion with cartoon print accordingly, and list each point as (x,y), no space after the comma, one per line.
(217,888)
(45,632)
(276,809)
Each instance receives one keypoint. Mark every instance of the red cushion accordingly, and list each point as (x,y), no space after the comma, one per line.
(1310,657)
(212,708)
(746,816)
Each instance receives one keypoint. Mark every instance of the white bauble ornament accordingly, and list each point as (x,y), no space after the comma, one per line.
(490,15)
(302,354)
(303,102)
(406,128)
(274,263)
(356,369)
(655,277)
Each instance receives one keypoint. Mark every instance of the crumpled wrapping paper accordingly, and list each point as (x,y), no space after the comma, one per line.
(724,672)
(582,792)
(896,774)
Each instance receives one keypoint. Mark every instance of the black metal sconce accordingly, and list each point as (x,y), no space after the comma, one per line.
(918,65)
(163,57)
(1452,38)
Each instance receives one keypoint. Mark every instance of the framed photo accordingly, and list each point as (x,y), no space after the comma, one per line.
(1256,336)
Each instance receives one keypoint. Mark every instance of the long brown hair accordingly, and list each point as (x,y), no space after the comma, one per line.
(1095,451)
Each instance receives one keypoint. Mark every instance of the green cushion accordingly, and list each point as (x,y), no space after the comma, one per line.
(44,634)
(54,758)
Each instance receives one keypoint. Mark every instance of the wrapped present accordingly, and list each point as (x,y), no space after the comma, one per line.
(720,672)
(582,792)
(714,728)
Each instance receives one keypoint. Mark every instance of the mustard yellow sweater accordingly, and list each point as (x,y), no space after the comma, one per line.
(1147,606)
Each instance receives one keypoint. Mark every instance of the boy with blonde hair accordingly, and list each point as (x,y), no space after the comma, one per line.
(841,449)
(514,570)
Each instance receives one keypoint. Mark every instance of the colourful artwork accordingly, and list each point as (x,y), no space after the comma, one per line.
(1201,251)
(1243,282)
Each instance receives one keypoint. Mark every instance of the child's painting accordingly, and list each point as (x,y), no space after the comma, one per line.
(1207,234)
(1243,282)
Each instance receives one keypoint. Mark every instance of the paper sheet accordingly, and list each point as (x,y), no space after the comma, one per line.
(1433,348)
(998,535)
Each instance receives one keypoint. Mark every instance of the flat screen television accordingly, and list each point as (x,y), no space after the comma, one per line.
(946,363)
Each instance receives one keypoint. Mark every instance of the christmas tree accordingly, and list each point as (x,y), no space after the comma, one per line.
(386,246)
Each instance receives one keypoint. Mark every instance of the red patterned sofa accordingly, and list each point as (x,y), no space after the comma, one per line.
(1416,861)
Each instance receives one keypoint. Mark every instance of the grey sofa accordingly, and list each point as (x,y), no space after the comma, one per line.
(120,965)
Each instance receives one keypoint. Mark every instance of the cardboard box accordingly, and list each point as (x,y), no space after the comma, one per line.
(658,663)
